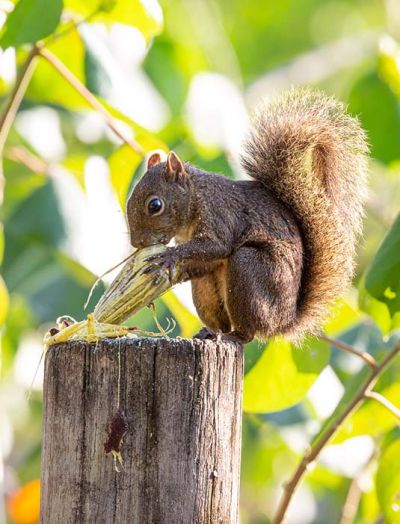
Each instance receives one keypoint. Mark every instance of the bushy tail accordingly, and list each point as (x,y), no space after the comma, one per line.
(313,156)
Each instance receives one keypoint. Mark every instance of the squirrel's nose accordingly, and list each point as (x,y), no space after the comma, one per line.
(136,240)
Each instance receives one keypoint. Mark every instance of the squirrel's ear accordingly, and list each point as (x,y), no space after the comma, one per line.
(174,164)
(153,160)
(175,168)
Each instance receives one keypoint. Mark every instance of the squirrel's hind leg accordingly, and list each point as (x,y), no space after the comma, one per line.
(261,293)
(208,297)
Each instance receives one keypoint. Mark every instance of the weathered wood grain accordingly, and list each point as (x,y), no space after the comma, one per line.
(181,454)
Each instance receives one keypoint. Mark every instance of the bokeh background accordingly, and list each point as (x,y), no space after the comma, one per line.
(185,75)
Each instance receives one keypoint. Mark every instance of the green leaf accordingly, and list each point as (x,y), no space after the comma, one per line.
(129,12)
(166,73)
(75,164)
(36,219)
(51,284)
(378,109)
(4,301)
(371,419)
(73,269)
(378,311)
(283,375)
(263,449)
(1,242)
(343,315)
(388,63)
(107,5)
(252,354)
(123,164)
(396,321)
(369,506)
(30,21)
(189,324)
(390,437)
(20,319)
(20,184)
(388,482)
(98,77)
(382,279)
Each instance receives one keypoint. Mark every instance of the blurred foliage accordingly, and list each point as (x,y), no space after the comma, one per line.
(382,279)
(183,75)
(388,480)
(26,23)
(281,364)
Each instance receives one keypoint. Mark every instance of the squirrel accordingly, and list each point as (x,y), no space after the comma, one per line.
(265,256)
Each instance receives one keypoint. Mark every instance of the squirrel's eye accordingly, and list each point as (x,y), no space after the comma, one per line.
(155,206)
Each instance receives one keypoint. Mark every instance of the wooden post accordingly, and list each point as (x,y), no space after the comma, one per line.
(181,452)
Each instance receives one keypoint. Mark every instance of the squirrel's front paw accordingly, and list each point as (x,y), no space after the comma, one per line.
(162,262)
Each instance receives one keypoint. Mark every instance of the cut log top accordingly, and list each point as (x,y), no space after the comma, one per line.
(181,403)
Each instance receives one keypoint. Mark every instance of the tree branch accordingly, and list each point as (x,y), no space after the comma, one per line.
(90,98)
(351,504)
(8,116)
(33,162)
(385,402)
(350,507)
(369,359)
(16,96)
(313,453)
(28,159)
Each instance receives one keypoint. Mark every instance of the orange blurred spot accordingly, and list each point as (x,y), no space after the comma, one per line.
(24,504)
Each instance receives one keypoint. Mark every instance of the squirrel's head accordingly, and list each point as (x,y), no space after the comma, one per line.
(158,208)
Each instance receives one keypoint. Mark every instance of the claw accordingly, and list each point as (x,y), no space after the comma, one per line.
(171,267)
(162,262)
(154,257)
(149,269)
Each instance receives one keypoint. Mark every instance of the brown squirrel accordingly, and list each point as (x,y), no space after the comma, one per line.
(266,256)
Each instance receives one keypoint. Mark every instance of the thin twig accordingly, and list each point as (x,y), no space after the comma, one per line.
(28,159)
(90,98)
(352,501)
(10,111)
(384,402)
(350,507)
(16,96)
(34,162)
(369,359)
(313,452)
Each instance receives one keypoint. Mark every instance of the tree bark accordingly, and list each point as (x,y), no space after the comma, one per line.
(181,451)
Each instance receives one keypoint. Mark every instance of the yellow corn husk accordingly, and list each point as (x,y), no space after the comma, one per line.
(88,330)
(132,289)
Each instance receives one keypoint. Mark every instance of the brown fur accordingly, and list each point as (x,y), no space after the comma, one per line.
(264,256)
(313,156)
